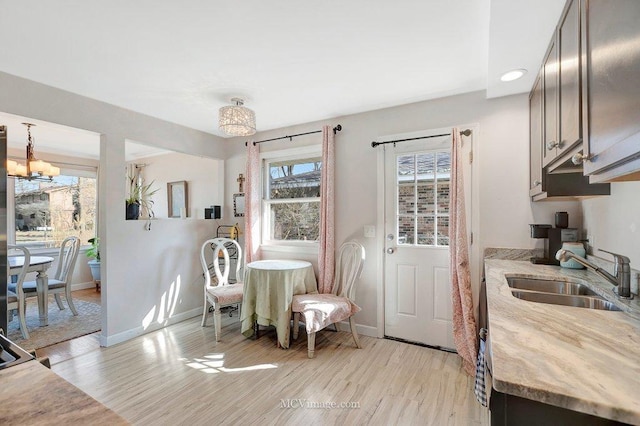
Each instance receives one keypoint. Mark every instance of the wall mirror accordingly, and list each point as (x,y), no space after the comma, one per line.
(238,204)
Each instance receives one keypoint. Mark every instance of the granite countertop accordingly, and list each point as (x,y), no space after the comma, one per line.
(586,360)
(32,394)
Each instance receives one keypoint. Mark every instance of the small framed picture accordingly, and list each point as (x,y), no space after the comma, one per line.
(178,199)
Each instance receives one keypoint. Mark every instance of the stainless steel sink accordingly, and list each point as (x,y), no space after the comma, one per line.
(549,286)
(590,302)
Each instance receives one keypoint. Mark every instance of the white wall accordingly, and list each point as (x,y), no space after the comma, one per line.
(502,209)
(613,222)
(204,177)
(138,266)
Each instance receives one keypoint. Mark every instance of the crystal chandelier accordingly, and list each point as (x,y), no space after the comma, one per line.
(237,120)
(34,169)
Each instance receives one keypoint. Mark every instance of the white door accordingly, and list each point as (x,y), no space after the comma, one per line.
(417,284)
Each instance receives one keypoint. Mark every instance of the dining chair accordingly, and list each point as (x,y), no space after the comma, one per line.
(220,292)
(16,299)
(321,310)
(61,281)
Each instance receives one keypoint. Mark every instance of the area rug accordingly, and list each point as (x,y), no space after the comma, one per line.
(63,325)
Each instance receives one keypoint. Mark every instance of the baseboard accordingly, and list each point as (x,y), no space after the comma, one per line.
(365,330)
(82,286)
(114,339)
(106,341)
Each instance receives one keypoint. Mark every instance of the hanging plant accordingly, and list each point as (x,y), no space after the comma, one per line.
(139,198)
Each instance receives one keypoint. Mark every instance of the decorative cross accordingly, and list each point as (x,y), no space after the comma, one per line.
(240,182)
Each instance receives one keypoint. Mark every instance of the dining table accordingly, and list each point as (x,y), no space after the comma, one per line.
(269,287)
(40,265)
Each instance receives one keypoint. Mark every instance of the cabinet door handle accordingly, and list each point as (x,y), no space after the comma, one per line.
(537,183)
(580,158)
(551,145)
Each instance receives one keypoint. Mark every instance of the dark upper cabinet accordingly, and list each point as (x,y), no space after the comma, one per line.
(563,113)
(550,103)
(535,138)
(555,117)
(570,122)
(611,89)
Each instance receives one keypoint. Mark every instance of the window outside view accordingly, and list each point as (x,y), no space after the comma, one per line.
(48,212)
(293,199)
(423,198)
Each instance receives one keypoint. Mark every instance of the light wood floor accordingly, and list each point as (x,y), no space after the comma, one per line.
(66,350)
(179,375)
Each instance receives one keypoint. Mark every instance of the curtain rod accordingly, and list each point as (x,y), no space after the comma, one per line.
(335,130)
(465,132)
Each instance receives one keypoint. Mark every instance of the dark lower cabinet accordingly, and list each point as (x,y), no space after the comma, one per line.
(509,410)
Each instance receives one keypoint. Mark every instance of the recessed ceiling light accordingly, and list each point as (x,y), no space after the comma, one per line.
(513,75)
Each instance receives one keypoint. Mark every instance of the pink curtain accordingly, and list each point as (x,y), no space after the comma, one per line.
(252,200)
(326,252)
(464,323)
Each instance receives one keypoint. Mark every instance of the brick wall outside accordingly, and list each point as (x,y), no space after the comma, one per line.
(425,211)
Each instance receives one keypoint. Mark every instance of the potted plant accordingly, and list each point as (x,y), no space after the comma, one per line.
(139,198)
(93,253)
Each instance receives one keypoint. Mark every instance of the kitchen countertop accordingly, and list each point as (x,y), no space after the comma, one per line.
(585,360)
(32,394)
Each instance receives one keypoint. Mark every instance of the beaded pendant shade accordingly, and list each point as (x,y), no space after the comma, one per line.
(237,120)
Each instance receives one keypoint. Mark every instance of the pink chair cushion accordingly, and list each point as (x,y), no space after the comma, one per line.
(227,294)
(320,310)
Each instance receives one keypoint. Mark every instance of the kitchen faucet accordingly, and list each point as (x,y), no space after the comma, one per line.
(621,270)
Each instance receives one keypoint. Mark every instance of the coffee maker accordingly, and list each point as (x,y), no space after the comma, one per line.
(554,237)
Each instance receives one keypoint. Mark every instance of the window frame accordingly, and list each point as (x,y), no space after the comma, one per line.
(266,158)
(435,215)
(66,169)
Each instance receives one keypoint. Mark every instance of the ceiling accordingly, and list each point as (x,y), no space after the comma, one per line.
(292,61)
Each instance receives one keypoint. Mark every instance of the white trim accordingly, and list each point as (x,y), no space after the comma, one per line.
(284,154)
(365,330)
(123,336)
(266,158)
(82,286)
(473,216)
(292,247)
(380,243)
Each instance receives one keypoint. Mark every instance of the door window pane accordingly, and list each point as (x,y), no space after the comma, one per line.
(406,168)
(443,197)
(425,199)
(406,230)
(423,186)
(426,231)
(443,230)
(406,199)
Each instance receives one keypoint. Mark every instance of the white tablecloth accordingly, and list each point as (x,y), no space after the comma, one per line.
(269,286)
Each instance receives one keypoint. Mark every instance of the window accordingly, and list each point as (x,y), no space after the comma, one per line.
(48,212)
(291,199)
(423,182)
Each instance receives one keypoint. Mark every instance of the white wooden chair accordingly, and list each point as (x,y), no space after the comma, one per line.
(16,299)
(220,293)
(61,281)
(321,310)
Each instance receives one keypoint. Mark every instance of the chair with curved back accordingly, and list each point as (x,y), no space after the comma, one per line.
(321,310)
(61,281)
(221,292)
(16,299)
